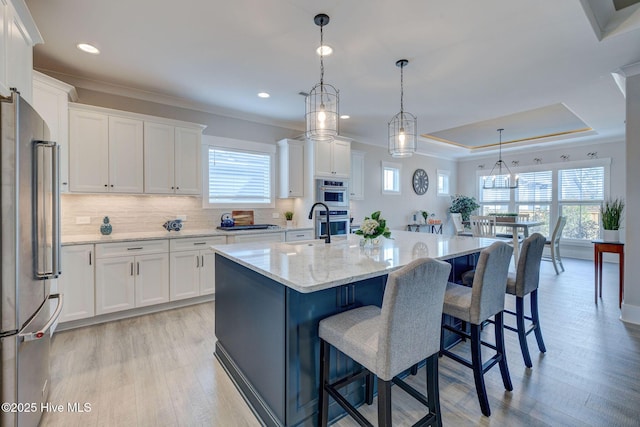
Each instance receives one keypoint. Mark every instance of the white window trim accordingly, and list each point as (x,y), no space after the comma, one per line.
(240,145)
(391,165)
(447,174)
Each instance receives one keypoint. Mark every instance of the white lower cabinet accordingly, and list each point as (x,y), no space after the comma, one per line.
(76,282)
(261,237)
(192,267)
(125,280)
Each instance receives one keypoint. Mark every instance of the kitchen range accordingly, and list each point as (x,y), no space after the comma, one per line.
(29,258)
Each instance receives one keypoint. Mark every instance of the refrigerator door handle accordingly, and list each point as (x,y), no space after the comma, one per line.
(54,270)
(31,336)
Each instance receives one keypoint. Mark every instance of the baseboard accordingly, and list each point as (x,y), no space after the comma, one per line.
(630,313)
(103,318)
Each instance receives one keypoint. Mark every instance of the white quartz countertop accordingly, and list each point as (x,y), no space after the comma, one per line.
(76,239)
(311,266)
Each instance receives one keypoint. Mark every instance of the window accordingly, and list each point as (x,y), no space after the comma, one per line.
(391,178)
(548,191)
(534,196)
(580,195)
(238,177)
(443,182)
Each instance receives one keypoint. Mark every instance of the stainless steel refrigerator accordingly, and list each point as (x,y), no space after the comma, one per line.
(29,257)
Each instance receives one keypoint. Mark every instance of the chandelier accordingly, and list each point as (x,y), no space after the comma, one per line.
(322,102)
(500,180)
(402,127)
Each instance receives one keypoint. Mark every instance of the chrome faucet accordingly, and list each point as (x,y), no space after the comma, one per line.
(326,237)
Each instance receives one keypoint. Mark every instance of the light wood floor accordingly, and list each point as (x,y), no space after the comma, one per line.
(159,369)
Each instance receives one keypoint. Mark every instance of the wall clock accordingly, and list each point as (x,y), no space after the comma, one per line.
(420,181)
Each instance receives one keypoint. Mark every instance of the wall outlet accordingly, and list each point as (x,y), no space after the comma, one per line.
(275,215)
(83,220)
(181,217)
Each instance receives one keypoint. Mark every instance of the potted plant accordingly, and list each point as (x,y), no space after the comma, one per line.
(611,214)
(372,228)
(288,215)
(463,205)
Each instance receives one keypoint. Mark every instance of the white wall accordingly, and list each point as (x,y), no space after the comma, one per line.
(397,209)
(631,303)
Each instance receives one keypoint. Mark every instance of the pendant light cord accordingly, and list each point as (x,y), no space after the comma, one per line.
(401,90)
(321,57)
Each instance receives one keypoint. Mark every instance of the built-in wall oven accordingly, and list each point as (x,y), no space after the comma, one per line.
(334,194)
(338,222)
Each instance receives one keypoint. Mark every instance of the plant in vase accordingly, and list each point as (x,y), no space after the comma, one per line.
(288,215)
(372,228)
(611,213)
(463,205)
(426,216)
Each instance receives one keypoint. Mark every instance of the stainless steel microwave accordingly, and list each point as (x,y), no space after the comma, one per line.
(332,193)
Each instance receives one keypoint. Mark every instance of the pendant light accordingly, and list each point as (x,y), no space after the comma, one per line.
(322,102)
(403,126)
(498,180)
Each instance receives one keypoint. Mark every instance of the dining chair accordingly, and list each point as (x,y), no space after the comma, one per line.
(483,226)
(458,226)
(389,340)
(554,244)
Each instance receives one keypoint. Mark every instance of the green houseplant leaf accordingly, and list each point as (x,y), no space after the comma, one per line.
(611,213)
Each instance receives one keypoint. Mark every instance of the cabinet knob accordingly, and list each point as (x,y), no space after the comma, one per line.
(177,188)
(172,187)
(112,185)
(106,185)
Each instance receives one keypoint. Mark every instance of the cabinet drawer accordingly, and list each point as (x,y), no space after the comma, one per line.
(264,237)
(196,243)
(140,247)
(295,235)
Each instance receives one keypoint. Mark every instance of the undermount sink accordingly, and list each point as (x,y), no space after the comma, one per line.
(313,242)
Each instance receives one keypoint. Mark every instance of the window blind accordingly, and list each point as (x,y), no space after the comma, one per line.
(535,187)
(239,177)
(581,184)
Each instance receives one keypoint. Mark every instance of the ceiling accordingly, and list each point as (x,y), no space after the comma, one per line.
(473,66)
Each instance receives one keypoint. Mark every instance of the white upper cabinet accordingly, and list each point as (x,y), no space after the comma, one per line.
(18,35)
(159,140)
(332,159)
(51,101)
(171,159)
(187,160)
(356,186)
(125,155)
(105,153)
(120,152)
(88,152)
(291,159)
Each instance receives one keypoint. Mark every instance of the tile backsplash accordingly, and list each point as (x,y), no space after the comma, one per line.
(135,213)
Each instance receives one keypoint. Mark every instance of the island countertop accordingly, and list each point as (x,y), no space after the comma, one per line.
(313,265)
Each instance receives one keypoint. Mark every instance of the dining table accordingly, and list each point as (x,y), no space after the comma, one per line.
(515,227)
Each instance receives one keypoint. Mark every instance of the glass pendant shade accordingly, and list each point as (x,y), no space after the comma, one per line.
(403,127)
(321,105)
(402,135)
(322,112)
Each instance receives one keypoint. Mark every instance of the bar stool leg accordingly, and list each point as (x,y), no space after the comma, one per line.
(368,387)
(522,334)
(384,402)
(433,388)
(323,396)
(536,321)
(478,375)
(504,368)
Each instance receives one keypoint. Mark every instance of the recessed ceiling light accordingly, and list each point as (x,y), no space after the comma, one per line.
(263,95)
(345,116)
(324,50)
(88,48)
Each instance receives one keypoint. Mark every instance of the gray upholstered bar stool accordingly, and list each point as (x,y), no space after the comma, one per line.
(525,282)
(476,304)
(386,341)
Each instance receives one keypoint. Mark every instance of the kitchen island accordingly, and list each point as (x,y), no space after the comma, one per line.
(270,298)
